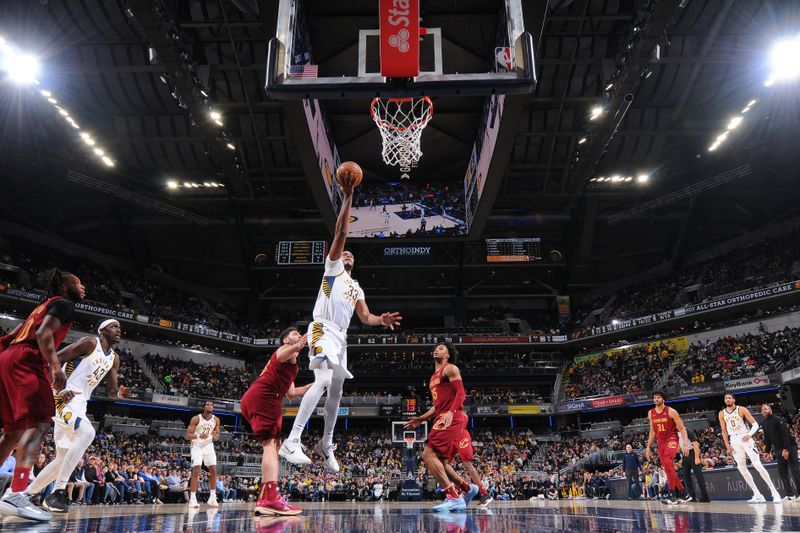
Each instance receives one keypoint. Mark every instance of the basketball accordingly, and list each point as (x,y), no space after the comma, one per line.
(349,167)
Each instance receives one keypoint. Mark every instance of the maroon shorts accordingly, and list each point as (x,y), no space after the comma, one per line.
(667,450)
(263,412)
(464,446)
(444,441)
(26,396)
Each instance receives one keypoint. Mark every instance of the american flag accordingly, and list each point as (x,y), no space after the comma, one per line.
(303,71)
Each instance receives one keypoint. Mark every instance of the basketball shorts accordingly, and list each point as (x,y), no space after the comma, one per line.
(463,445)
(262,410)
(667,450)
(444,441)
(329,340)
(26,396)
(69,417)
(738,444)
(204,455)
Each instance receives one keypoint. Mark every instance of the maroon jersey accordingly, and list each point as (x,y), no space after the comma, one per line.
(442,391)
(277,377)
(27,334)
(663,425)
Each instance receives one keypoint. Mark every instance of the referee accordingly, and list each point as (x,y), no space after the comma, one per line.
(777,435)
(691,463)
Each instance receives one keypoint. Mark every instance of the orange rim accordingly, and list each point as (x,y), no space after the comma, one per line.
(382,123)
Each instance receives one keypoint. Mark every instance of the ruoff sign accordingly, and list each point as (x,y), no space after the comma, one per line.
(399,38)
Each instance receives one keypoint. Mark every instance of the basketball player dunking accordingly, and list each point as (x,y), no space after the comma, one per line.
(339,296)
(667,427)
(86,363)
(739,443)
(27,355)
(203,430)
(447,391)
(261,406)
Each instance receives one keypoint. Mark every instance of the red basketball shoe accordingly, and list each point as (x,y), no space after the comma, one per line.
(276,507)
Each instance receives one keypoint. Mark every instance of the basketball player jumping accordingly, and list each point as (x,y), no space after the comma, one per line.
(203,430)
(666,426)
(85,363)
(338,297)
(739,443)
(447,391)
(261,406)
(26,390)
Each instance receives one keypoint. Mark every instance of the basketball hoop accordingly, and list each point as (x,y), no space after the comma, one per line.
(401,121)
(410,439)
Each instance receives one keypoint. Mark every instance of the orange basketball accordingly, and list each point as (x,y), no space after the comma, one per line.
(351,168)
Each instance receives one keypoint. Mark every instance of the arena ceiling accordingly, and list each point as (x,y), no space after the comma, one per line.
(105,61)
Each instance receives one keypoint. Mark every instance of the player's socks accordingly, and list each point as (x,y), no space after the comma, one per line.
(464,486)
(451,491)
(21,479)
(482,491)
(271,490)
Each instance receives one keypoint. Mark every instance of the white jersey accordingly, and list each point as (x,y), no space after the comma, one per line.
(204,431)
(734,422)
(337,296)
(85,373)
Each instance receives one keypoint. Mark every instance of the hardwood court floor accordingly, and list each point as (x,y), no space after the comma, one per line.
(520,516)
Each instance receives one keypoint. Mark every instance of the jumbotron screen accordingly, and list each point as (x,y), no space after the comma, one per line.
(516,250)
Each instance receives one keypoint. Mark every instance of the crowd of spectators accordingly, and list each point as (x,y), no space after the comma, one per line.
(620,371)
(775,260)
(736,356)
(182,377)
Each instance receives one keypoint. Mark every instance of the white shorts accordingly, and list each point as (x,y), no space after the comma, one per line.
(204,455)
(328,340)
(65,420)
(738,444)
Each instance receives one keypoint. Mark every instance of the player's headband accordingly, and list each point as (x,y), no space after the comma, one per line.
(105,323)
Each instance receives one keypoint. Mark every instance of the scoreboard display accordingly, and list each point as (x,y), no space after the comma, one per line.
(410,406)
(522,250)
(300,253)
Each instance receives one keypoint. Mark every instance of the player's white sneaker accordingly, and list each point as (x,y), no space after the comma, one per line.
(292,451)
(757,498)
(777,498)
(326,452)
(212,500)
(193,501)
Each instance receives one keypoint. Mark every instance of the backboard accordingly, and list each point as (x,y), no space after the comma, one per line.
(400,434)
(329,50)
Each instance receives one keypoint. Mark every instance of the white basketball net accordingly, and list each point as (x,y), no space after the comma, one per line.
(401,121)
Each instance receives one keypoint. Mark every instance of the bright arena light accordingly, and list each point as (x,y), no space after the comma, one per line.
(734,123)
(215,115)
(785,60)
(596,112)
(172,184)
(20,68)
(642,178)
(107,161)
(230,146)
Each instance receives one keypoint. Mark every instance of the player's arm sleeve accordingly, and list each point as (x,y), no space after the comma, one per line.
(461,395)
(61,309)
(333,268)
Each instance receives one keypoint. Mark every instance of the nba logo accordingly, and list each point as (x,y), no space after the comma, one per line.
(504,59)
